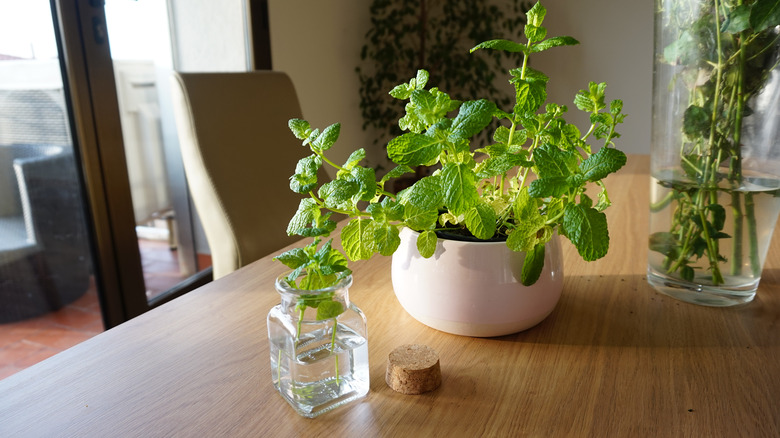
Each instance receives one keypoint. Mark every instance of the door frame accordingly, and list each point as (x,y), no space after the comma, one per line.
(93,109)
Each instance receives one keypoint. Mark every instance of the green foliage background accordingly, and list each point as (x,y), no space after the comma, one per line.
(435,35)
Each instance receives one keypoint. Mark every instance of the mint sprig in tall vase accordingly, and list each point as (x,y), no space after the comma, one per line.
(715,193)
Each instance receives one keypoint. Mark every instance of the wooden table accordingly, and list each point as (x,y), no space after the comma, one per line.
(614,359)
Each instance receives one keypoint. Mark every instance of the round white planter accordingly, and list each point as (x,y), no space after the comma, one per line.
(473,288)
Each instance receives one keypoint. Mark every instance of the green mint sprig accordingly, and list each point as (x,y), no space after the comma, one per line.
(530,182)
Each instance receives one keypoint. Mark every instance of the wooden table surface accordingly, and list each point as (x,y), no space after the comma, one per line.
(615,358)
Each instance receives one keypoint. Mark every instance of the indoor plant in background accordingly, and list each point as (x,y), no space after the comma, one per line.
(716,150)
(408,35)
(523,190)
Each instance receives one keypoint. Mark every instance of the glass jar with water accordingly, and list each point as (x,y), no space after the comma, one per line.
(715,159)
(319,347)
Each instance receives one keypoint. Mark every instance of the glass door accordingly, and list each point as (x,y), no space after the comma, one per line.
(49,297)
(141,46)
(95,216)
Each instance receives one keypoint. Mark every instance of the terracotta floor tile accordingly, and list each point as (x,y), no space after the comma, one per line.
(23,354)
(73,318)
(59,338)
(36,355)
(88,302)
(8,370)
(25,343)
(18,351)
(10,335)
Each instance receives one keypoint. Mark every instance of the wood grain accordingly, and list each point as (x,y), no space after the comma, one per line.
(615,358)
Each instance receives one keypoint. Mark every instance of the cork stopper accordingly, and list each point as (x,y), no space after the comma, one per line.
(413,369)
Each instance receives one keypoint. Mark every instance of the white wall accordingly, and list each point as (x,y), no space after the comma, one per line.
(318,44)
(616,47)
(210,36)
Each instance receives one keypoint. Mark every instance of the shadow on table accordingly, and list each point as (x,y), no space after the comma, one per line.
(594,311)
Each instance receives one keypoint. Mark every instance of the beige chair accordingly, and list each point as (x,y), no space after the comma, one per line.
(238,156)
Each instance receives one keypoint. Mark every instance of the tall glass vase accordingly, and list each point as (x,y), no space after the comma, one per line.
(715,166)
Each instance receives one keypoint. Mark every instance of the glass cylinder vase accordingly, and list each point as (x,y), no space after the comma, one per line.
(715,159)
(318,346)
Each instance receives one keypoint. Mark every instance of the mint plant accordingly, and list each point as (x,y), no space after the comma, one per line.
(526,185)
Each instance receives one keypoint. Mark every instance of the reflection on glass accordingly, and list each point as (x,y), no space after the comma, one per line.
(48,299)
(139,37)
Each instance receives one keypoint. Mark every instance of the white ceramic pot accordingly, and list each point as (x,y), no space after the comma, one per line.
(473,288)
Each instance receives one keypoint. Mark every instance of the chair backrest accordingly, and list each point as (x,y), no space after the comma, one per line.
(238,155)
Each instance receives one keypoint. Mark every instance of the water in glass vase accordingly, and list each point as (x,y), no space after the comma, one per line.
(708,246)
(320,370)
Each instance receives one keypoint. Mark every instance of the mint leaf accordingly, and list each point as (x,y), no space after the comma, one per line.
(321,268)
(300,128)
(554,42)
(501,135)
(308,211)
(529,223)
(534,33)
(426,243)
(327,138)
(553,186)
(682,51)
(339,193)
(422,202)
(354,158)
(587,229)
(396,172)
(460,191)
(472,118)
(323,229)
(664,242)
(353,240)
(602,163)
(418,218)
(384,238)
(393,210)
(425,193)
(305,178)
(530,75)
(480,220)
(526,208)
(365,178)
(329,259)
(421,79)
(293,258)
(737,20)
(529,94)
(500,165)
(425,108)
(696,121)
(413,149)
(535,15)
(765,14)
(533,265)
(505,45)
(554,162)
(329,309)
(592,99)
(403,91)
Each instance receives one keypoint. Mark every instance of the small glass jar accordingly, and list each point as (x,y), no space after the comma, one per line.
(319,347)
